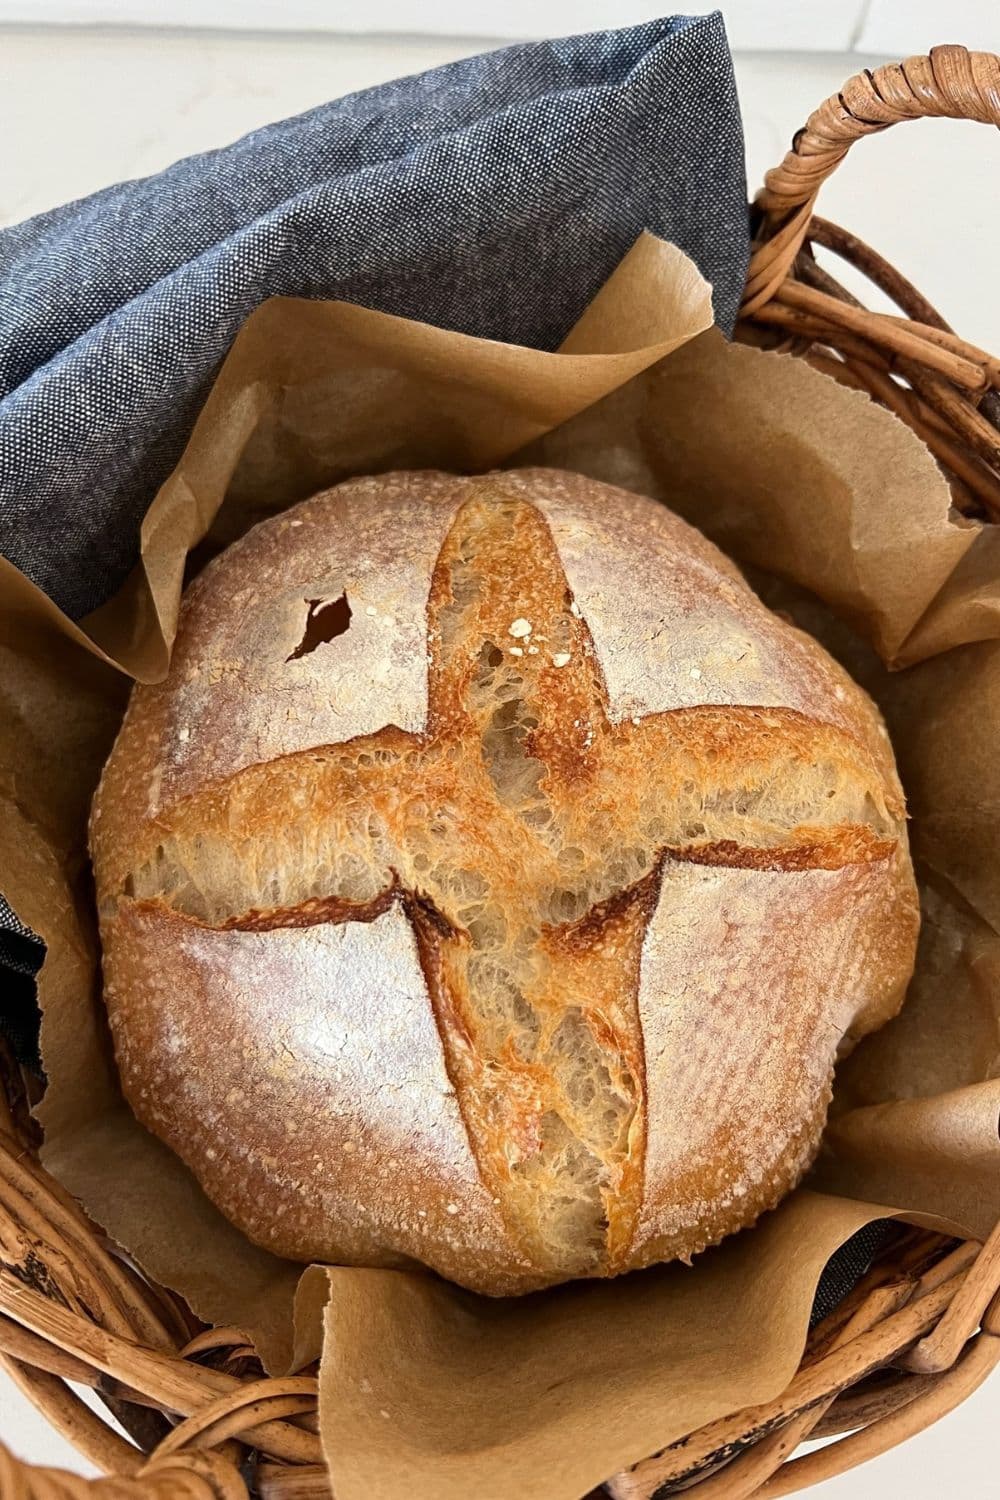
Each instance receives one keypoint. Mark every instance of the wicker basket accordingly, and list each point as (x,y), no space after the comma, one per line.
(912,1340)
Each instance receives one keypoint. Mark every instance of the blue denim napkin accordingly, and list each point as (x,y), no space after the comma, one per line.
(492,196)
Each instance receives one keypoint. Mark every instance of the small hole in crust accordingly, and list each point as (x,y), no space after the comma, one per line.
(325,620)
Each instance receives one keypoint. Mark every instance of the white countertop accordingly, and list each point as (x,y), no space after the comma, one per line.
(83,108)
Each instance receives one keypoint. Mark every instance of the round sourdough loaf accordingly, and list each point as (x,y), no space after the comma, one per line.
(493,883)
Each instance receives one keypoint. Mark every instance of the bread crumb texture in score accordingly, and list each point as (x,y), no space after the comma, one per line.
(645,920)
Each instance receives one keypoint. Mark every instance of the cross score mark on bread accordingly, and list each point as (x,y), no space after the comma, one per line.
(524,837)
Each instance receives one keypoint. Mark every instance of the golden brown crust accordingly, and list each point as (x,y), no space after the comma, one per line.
(622,850)
(819,849)
(753,1059)
(300,1075)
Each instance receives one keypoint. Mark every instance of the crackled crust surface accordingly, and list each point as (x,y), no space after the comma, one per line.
(513,926)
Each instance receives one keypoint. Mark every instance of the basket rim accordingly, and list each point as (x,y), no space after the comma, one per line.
(921,1329)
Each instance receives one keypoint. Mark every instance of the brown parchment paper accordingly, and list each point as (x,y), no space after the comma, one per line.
(453,1395)
(425,1390)
(824,489)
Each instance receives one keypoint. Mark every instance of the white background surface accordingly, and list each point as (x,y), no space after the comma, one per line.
(891,26)
(81,108)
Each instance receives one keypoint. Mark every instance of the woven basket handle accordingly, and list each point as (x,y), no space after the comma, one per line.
(951,82)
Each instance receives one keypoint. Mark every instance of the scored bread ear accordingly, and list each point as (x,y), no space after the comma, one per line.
(511,651)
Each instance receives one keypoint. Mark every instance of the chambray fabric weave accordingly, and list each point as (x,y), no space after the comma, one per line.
(21,954)
(492,196)
(847,1265)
